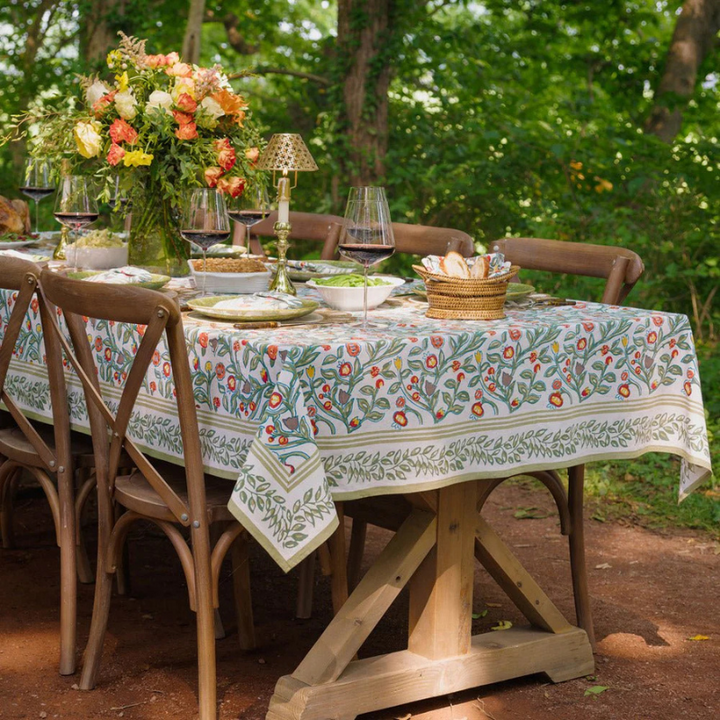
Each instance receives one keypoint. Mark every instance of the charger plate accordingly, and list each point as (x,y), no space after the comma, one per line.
(518,290)
(206,307)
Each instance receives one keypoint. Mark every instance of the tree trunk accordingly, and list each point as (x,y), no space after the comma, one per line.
(693,39)
(101,23)
(193,32)
(364,38)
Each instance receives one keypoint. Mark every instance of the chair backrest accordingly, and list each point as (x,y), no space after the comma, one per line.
(411,239)
(157,316)
(327,229)
(22,277)
(620,267)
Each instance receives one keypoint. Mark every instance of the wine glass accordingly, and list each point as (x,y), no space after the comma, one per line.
(36,184)
(368,234)
(76,205)
(205,221)
(250,208)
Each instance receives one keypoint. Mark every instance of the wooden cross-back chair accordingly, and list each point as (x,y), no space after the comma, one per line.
(327,229)
(621,268)
(45,452)
(166,495)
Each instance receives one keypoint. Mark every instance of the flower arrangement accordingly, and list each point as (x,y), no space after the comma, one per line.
(159,127)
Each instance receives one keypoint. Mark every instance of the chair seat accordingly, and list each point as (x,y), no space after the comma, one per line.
(135,493)
(15,446)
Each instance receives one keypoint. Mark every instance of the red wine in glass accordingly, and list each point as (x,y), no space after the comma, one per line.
(36,193)
(366,255)
(205,239)
(247,217)
(78,220)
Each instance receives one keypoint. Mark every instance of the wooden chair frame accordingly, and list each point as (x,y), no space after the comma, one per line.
(161,317)
(44,461)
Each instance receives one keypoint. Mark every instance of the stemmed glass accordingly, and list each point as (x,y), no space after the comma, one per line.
(205,221)
(368,235)
(36,184)
(250,208)
(76,205)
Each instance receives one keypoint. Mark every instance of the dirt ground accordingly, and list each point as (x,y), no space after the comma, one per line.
(652,591)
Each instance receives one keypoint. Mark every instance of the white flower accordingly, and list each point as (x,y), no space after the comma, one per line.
(159,100)
(95,92)
(183,85)
(125,103)
(212,107)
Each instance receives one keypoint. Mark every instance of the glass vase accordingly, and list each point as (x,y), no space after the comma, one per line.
(155,243)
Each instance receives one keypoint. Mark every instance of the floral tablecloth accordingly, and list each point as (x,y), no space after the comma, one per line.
(303,416)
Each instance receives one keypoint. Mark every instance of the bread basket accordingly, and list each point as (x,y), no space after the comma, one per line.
(453,298)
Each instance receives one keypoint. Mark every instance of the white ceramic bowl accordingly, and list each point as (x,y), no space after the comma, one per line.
(97,258)
(350,299)
(226,283)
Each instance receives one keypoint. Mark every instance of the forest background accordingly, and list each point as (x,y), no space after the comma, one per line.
(583,121)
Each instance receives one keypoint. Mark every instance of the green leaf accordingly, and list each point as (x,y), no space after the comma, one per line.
(596,690)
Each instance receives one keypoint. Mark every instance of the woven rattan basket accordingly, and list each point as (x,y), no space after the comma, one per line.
(451,298)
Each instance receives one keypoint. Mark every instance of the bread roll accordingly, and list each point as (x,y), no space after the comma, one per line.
(480,269)
(454,265)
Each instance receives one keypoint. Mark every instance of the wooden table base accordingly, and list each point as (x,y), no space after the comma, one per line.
(434,552)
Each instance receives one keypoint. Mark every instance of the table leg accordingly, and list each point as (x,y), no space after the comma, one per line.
(434,547)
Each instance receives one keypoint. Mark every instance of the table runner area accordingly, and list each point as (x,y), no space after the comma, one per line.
(303,416)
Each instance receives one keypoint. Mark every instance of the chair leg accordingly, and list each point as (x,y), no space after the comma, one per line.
(355,552)
(583,610)
(215,532)
(205,617)
(68,578)
(83,487)
(306,586)
(7,493)
(122,574)
(243,598)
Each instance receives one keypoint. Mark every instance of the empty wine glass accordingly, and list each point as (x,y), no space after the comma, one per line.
(368,234)
(36,184)
(249,208)
(76,205)
(205,221)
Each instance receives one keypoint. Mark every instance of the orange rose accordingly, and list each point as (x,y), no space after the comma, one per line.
(155,61)
(231,103)
(101,105)
(212,175)
(225,154)
(116,154)
(182,118)
(186,103)
(179,69)
(121,131)
(187,131)
(232,186)
(252,154)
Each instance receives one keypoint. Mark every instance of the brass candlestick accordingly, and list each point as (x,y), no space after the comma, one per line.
(281,282)
(285,153)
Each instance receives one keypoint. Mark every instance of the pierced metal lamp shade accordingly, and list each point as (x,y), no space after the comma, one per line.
(286,152)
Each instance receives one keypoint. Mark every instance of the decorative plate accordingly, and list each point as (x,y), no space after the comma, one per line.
(13,245)
(302,270)
(157,281)
(516,291)
(205,306)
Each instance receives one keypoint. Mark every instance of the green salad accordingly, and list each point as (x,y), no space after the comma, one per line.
(352,280)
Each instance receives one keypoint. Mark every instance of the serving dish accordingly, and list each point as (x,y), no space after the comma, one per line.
(96,258)
(14,244)
(304,270)
(155,283)
(206,306)
(350,299)
(237,283)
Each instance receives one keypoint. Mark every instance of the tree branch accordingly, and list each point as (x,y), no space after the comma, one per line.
(319,79)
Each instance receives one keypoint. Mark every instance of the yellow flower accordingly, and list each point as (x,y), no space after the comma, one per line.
(114,58)
(478,357)
(135,158)
(122,82)
(398,363)
(311,372)
(87,138)
(625,341)
(208,366)
(555,347)
(603,185)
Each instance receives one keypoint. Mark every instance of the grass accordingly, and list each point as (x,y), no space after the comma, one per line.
(645,491)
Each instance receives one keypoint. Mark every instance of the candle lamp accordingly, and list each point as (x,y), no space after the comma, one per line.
(285,153)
